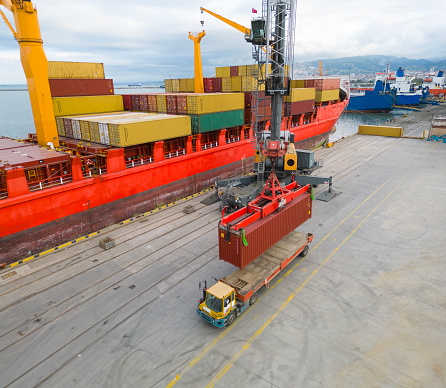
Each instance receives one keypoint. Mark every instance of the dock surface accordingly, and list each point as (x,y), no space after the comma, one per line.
(365,308)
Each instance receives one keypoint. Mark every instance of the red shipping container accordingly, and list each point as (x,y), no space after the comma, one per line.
(135,102)
(151,99)
(127,100)
(263,233)
(298,107)
(207,85)
(233,71)
(182,104)
(68,127)
(309,83)
(217,85)
(80,87)
(327,83)
(248,99)
(264,113)
(171,103)
(143,103)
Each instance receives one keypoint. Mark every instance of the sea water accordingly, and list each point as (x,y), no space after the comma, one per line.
(16,118)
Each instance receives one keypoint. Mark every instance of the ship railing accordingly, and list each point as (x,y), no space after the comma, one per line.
(138,162)
(3,194)
(102,170)
(232,140)
(47,183)
(174,154)
(209,145)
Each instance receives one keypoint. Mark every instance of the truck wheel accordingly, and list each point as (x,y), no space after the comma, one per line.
(304,251)
(253,299)
(231,319)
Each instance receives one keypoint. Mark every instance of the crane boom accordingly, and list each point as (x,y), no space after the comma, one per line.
(237,26)
(35,66)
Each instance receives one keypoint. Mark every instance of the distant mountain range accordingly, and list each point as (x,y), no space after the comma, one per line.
(371,64)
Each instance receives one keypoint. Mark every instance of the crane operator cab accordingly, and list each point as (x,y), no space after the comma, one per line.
(218,305)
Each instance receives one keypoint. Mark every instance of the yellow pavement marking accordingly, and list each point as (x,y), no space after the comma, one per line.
(228,329)
(288,300)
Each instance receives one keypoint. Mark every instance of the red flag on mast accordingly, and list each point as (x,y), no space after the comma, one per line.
(254,10)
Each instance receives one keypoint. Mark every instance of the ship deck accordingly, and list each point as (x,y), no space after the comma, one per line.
(366,307)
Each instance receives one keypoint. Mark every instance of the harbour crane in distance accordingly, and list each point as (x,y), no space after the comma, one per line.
(35,66)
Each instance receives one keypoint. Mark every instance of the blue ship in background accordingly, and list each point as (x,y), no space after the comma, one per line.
(372,101)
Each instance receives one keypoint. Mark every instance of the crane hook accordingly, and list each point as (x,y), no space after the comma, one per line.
(202,22)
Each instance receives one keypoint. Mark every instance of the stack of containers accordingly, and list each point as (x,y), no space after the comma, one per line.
(125,129)
(263,107)
(213,111)
(300,100)
(81,88)
(327,89)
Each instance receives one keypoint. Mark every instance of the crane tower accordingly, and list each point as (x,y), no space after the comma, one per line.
(272,37)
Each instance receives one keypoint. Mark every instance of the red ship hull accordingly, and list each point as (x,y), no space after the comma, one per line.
(40,220)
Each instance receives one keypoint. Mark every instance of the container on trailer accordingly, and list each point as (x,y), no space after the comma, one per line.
(80,87)
(202,103)
(214,121)
(59,69)
(263,233)
(69,106)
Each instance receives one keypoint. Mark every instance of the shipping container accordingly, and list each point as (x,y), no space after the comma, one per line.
(301,94)
(171,104)
(327,83)
(263,114)
(57,69)
(298,107)
(85,130)
(182,104)
(126,132)
(264,233)
(242,71)
(190,88)
(76,125)
(212,85)
(260,99)
(297,83)
(104,134)
(214,121)
(233,71)
(236,84)
(249,84)
(327,95)
(168,85)
(127,101)
(143,103)
(202,103)
(223,71)
(94,132)
(68,127)
(80,87)
(226,84)
(207,83)
(183,85)
(69,106)
(151,100)
(135,102)
(161,103)
(309,83)
(175,85)
(60,126)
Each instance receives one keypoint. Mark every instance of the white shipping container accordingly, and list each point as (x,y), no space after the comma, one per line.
(77,134)
(103,133)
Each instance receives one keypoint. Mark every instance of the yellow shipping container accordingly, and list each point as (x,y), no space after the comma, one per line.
(242,70)
(175,85)
(249,83)
(301,94)
(190,85)
(297,83)
(226,84)
(69,106)
(85,130)
(161,105)
(60,126)
(168,85)
(65,70)
(201,103)
(327,95)
(128,131)
(236,84)
(183,85)
(223,71)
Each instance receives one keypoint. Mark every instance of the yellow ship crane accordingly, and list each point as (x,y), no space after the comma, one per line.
(198,69)
(244,30)
(35,65)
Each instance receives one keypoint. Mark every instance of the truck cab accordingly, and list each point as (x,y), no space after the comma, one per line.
(218,305)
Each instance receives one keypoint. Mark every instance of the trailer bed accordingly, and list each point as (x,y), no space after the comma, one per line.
(264,268)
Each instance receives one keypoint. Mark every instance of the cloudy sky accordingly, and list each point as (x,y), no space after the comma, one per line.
(148,40)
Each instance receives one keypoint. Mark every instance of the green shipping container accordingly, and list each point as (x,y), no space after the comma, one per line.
(214,121)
